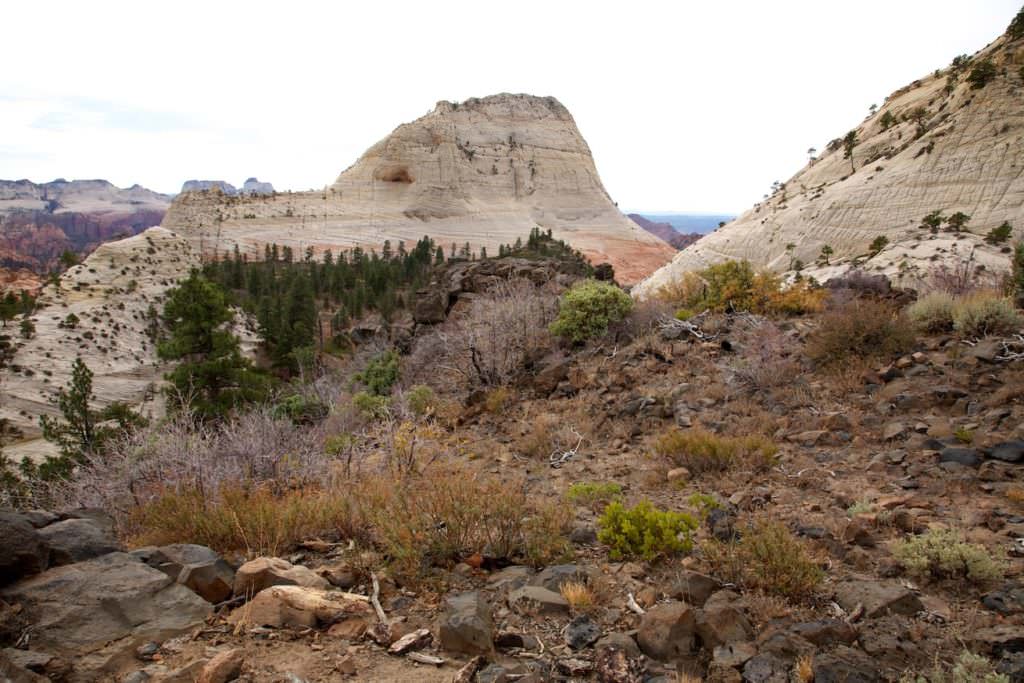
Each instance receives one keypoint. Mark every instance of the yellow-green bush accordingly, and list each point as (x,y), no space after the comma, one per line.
(588,308)
(984,313)
(421,400)
(589,493)
(699,450)
(371,406)
(968,668)
(644,531)
(733,285)
(766,557)
(943,554)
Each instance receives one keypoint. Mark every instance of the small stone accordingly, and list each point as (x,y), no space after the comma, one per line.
(678,474)
(539,601)
(346,666)
(264,572)
(878,598)
(225,666)
(695,588)
(668,632)
(574,667)
(466,625)
(893,431)
(212,581)
(962,456)
(1008,451)
(146,651)
(349,629)
(734,654)
(581,632)
(411,641)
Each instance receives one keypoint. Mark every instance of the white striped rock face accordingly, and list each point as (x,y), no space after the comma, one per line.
(970,159)
(485,171)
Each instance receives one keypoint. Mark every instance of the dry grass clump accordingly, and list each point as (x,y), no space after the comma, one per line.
(803,670)
(237,518)
(579,596)
(496,400)
(416,521)
(699,450)
(859,329)
(767,361)
(766,557)
(943,554)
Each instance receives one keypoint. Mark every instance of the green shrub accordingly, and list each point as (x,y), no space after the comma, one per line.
(699,450)
(1000,234)
(588,493)
(380,374)
(985,313)
(766,557)
(1016,28)
(878,244)
(371,406)
(1017,274)
(301,409)
(421,400)
(859,329)
(981,74)
(588,308)
(943,554)
(887,121)
(933,313)
(644,531)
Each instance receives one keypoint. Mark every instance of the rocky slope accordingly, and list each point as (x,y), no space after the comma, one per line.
(38,222)
(937,144)
(251,186)
(665,231)
(109,295)
(484,171)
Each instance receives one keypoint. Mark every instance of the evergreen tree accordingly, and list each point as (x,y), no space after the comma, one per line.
(212,377)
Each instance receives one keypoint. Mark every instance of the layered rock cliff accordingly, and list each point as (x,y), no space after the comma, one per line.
(484,171)
(38,222)
(941,143)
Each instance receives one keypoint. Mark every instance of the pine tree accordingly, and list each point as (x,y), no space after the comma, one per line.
(212,377)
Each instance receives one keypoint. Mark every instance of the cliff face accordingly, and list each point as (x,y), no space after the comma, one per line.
(484,171)
(38,222)
(939,144)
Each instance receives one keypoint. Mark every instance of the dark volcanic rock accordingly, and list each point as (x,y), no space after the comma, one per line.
(23,551)
(75,540)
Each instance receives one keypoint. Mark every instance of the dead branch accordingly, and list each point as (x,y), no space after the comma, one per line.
(375,601)
(557,459)
(632,604)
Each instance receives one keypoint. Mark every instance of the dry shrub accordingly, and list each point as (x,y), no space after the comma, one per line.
(424,521)
(962,278)
(859,329)
(699,450)
(541,438)
(254,520)
(933,313)
(496,400)
(680,291)
(984,313)
(734,286)
(489,344)
(766,362)
(416,521)
(766,557)
(943,554)
(803,670)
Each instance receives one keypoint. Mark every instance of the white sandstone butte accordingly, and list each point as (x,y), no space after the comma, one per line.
(968,155)
(484,171)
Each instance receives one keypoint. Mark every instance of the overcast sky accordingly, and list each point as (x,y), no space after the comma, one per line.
(687,106)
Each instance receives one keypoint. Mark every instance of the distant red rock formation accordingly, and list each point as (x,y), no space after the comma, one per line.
(666,232)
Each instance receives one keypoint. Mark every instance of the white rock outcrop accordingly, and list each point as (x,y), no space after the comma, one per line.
(485,171)
(966,154)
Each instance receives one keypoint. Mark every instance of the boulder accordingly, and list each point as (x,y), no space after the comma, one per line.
(97,612)
(1008,451)
(766,668)
(466,625)
(225,666)
(11,672)
(668,632)
(721,624)
(24,552)
(619,641)
(212,581)
(878,597)
(431,307)
(299,606)
(695,588)
(845,665)
(171,559)
(264,572)
(963,456)
(537,601)
(75,540)
(826,632)
(554,576)
(550,371)
(733,655)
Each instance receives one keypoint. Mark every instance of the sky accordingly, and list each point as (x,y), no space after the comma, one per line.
(686,106)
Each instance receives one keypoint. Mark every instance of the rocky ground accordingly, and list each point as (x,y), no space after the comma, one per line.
(868,456)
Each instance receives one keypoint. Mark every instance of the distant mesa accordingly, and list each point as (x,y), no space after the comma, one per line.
(252,186)
(485,171)
(666,231)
